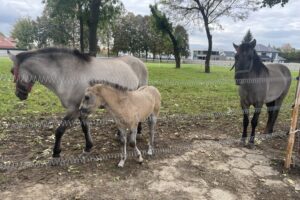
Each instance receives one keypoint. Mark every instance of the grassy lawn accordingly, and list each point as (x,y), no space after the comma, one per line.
(187,91)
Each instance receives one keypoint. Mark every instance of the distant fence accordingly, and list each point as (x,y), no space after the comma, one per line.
(3,52)
(220,63)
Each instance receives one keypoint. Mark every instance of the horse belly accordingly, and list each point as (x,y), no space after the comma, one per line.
(276,85)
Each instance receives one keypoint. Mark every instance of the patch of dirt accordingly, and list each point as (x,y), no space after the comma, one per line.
(208,169)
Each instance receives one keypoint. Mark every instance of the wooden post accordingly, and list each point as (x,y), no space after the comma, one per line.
(291,140)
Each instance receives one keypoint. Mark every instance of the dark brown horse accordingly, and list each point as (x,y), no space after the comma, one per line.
(259,84)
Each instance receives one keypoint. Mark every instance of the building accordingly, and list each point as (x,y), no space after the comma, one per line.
(227,55)
(201,55)
(7,43)
(266,53)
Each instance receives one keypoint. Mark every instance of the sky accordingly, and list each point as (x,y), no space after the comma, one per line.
(270,26)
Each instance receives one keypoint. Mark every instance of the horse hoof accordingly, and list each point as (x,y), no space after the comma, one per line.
(121,164)
(55,161)
(85,153)
(150,152)
(140,160)
(250,145)
(243,143)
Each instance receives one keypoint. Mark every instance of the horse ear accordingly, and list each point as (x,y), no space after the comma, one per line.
(253,43)
(12,56)
(235,46)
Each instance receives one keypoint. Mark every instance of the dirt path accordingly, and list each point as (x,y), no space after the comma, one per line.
(207,171)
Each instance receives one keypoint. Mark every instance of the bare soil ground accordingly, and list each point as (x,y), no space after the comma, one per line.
(208,169)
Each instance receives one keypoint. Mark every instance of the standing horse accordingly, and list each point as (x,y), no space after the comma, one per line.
(259,84)
(128,108)
(67,73)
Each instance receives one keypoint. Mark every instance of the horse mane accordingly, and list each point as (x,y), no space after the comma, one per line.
(21,57)
(258,65)
(113,85)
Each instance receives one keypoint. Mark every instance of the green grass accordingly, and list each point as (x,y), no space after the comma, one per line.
(187,91)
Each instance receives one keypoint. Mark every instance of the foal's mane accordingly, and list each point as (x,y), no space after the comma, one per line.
(113,85)
(53,51)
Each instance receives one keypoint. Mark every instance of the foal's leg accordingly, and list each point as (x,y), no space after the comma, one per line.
(254,124)
(86,129)
(65,124)
(123,149)
(245,123)
(132,143)
(152,123)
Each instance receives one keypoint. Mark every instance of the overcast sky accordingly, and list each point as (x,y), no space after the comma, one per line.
(275,26)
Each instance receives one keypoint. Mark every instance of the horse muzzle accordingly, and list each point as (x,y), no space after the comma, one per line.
(21,95)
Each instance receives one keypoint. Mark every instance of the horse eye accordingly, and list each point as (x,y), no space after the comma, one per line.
(86,98)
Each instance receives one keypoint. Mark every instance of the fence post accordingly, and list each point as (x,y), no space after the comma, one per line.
(292,133)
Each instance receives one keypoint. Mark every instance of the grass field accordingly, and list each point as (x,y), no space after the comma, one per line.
(186,91)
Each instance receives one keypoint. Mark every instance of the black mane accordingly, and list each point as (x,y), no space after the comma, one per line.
(113,85)
(258,65)
(21,57)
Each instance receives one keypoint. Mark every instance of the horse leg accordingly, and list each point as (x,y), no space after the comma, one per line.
(271,108)
(275,115)
(245,123)
(88,139)
(152,123)
(254,124)
(132,143)
(123,149)
(139,128)
(65,124)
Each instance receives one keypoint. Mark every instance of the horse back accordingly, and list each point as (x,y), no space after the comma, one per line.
(138,67)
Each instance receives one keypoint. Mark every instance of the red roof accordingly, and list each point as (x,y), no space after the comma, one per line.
(7,43)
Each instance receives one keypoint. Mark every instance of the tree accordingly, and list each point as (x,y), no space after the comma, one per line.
(182,37)
(165,26)
(248,37)
(90,13)
(100,10)
(272,3)
(23,31)
(287,48)
(208,12)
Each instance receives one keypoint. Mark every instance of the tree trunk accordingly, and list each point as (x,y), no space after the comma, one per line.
(93,24)
(177,59)
(81,33)
(175,49)
(146,55)
(108,47)
(208,55)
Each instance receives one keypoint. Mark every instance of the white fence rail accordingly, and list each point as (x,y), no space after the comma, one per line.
(220,63)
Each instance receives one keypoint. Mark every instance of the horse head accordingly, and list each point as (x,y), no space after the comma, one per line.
(91,101)
(22,77)
(244,58)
